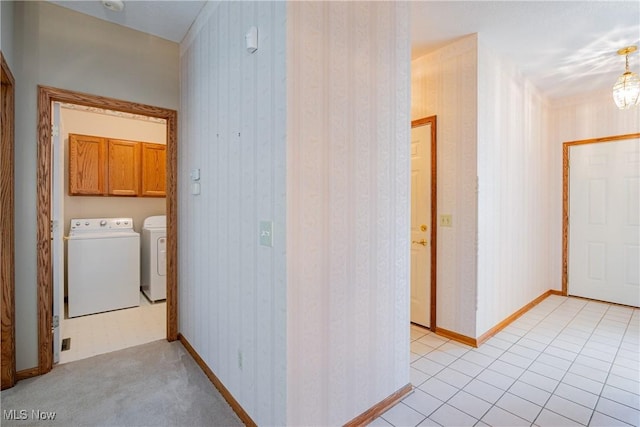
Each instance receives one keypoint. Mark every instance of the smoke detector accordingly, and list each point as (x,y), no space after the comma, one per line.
(115,5)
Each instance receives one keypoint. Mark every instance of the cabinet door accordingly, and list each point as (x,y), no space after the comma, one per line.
(154,169)
(87,158)
(124,168)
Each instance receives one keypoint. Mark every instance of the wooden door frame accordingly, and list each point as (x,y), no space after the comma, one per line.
(565,197)
(432,120)
(46,96)
(7,263)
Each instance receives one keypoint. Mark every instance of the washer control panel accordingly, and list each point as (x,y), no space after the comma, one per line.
(101,224)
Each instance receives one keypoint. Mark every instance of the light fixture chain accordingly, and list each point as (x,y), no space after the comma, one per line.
(626,60)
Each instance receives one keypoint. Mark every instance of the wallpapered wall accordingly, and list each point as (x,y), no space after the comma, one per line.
(514,174)
(232,291)
(347,208)
(338,270)
(445,83)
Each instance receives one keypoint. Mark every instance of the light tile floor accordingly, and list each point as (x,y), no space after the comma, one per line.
(113,330)
(566,362)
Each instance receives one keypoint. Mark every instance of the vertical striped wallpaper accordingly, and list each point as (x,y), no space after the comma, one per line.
(444,83)
(347,208)
(514,174)
(232,291)
(309,315)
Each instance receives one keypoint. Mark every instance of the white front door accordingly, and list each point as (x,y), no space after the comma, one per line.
(420,224)
(604,221)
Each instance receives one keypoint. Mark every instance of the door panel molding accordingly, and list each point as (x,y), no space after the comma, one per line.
(432,120)
(46,96)
(7,258)
(565,196)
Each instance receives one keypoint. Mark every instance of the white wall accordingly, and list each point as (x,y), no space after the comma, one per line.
(58,47)
(444,83)
(514,173)
(232,291)
(592,115)
(109,126)
(348,166)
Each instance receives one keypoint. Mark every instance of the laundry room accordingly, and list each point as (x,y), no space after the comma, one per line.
(109,173)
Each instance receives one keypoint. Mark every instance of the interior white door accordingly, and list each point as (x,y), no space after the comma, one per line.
(604,221)
(57,229)
(420,221)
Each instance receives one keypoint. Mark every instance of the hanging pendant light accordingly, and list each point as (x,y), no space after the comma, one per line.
(626,91)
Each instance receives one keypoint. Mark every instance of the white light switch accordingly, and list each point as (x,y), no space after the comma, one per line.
(266,233)
(195,174)
(195,188)
(446,220)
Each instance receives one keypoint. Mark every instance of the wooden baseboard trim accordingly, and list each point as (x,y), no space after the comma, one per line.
(376,410)
(476,342)
(457,337)
(27,373)
(242,414)
(506,322)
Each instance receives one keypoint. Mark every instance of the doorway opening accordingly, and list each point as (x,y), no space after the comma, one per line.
(424,198)
(102,308)
(47,96)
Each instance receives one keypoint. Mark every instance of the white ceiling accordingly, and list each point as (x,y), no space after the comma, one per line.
(563,47)
(163,18)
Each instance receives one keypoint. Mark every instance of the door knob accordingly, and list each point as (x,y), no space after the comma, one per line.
(422,242)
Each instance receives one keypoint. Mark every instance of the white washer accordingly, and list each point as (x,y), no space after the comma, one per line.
(103,265)
(154,258)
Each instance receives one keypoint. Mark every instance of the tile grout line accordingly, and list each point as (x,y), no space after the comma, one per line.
(609,370)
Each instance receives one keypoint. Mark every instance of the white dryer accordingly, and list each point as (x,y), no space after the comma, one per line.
(103,265)
(154,258)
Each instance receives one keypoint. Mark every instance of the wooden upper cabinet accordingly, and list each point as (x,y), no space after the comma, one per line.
(154,175)
(87,159)
(116,167)
(124,168)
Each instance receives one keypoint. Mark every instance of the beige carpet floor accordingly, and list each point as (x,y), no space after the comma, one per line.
(155,384)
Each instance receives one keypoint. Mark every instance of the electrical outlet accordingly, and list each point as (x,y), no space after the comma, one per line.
(446,220)
(240,359)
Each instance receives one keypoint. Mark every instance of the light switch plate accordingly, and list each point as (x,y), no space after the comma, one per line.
(446,220)
(266,233)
